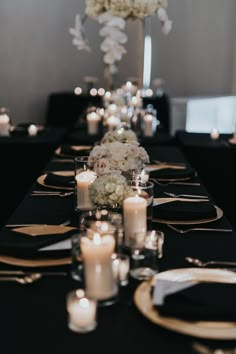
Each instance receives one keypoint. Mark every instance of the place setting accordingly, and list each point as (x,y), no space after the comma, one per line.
(71,151)
(63,180)
(184,300)
(26,245)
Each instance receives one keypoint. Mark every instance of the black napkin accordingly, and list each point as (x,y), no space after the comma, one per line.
(202,301)
(178,211)
(22,245)
(169,173)
(68,150)
(53,179)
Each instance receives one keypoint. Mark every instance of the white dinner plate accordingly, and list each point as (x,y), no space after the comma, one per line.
(41,179)
(219,214)
(201,329)
(84,148)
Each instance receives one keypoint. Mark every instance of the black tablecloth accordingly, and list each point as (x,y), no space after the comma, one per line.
(34,317)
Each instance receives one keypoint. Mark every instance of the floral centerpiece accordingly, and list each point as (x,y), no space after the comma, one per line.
(122,135)
(112,15)
(110,189)
(116,156)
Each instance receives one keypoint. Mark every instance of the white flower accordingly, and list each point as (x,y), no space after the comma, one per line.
(119,157)
(102,166)
(167,26)
(110,189)
(114,33)
(94,7)
(79,39)
(120,134)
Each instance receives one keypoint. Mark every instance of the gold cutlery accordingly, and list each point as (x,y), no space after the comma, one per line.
(199,263)
(184,231)
(22,272)
(200,348)
(182,164)
(50,194)
(163,183)
(27,279)
(185,195)
(158,201)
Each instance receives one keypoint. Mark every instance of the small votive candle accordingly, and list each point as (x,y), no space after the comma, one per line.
(81,312)
(121,266)
(32,130)
(83,181)
(113,122)
(148,125)
(93,120)
(4,123)
(214,134)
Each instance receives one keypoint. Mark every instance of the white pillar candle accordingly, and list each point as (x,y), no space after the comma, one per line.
(148,125)
(100,282)
(4,124)
(93,120)
(83,180)
(135,219)
(214,134)
(113,122)
(32,130)
(112,108)
(82,312)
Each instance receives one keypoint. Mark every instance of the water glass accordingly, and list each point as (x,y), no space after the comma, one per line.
(145,260)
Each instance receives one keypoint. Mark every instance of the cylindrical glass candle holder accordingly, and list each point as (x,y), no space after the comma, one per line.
(84,176)
(81,312)
(99,280)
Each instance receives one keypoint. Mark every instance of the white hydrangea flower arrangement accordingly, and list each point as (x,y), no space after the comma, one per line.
(121,134)
(110,190)
(117,156)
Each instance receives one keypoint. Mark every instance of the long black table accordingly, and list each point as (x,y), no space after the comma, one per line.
(34,317)
(22,157)
(215,162)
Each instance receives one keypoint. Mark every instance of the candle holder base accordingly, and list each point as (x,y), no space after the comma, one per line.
(85,329)
(108,302)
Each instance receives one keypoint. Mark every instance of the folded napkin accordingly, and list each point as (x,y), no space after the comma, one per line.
(23,245)
(68,150)
(199,301)
(170,173)
(53,179)
(187,211)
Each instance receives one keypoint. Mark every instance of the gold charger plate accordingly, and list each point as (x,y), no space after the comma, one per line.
(44,229)
(232,140)
(73,147)
(42,262)
(201,329)
(41,179)
(46,262)
(219,214)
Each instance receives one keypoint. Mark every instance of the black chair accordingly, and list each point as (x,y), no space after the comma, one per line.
(162,105)
(65,108)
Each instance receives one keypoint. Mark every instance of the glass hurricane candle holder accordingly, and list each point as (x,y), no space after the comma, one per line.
(98,277)
(81,312)
(84,176)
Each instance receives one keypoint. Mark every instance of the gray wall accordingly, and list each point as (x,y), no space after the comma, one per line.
(37,57)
